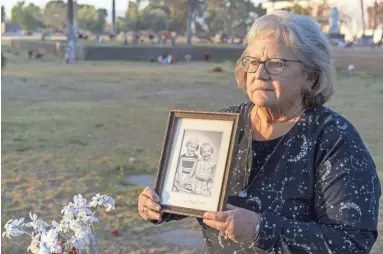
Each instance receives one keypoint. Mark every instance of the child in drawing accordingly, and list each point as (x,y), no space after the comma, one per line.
(204,171)
(185,169)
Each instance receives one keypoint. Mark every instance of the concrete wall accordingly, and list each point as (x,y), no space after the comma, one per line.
(132,53)
(144,53)
(52,47)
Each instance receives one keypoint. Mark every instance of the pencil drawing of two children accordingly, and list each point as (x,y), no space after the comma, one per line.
(195,172)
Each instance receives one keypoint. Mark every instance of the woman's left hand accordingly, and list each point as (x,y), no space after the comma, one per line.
(237,224)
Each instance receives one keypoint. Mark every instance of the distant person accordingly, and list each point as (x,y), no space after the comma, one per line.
(151,38)
(173,37)
(188,58)
(206,56)
(302,179)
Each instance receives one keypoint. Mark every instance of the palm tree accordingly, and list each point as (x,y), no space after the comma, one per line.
(114,17)
(191,5)
(375,14)
(71,49)
(363,25)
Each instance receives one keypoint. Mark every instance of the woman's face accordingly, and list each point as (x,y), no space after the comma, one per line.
(266,90)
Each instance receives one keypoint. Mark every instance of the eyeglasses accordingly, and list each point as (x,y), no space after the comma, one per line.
(273,66)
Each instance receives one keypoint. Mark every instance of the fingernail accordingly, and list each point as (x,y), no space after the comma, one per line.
(206,214)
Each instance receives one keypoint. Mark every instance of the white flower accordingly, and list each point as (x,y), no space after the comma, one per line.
(13,228)
(104,200)
(34,246)
(74,228)
(34,249)
(78,205)
(85,218)
(38,225)
(44,249)
(50,238)
(55,224)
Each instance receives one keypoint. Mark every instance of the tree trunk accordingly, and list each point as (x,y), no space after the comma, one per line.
(375,14)
(138,3)
(71,48)
(363,24)
(189,23)
(114,17)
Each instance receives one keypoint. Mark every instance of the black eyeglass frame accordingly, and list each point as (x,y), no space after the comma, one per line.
(263,62)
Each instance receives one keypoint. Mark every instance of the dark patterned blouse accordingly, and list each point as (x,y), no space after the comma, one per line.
(318,193)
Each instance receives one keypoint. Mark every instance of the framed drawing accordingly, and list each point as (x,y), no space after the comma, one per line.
(195,161)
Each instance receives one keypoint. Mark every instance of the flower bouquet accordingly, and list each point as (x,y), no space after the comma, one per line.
(72,235)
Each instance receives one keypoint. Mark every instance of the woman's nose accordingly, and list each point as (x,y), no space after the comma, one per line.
(261,72)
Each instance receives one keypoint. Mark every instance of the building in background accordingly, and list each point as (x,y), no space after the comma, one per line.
(11,28)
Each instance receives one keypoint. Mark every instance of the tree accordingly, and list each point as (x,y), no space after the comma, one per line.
(375,17)
(156,20)
(102,15)
(176,10)
(29,17)
(91,19)
(55,14)
(114,27)
(363,23)
(229,16)
(121,24)
(259,10)
(131,16)
(2,13)
(299,10)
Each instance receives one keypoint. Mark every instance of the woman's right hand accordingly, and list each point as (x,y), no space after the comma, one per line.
(148,205)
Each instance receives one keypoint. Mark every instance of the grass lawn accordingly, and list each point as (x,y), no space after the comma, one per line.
(73,129)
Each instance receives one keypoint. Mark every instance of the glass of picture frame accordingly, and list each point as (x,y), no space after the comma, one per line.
(195,161)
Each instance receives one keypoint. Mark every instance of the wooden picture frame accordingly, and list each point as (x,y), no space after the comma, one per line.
(195,161)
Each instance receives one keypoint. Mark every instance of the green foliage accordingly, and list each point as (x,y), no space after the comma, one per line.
(299,10)
(55,15)
(121,24)
(259,10)
(28,16)
(132,16)
(91,19)
(155,19)
(229,16)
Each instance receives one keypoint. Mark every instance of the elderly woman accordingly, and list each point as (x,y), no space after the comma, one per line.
(303,181)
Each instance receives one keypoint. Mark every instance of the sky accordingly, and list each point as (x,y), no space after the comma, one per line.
(352,6)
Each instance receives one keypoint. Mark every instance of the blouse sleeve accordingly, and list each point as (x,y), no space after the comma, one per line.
(347,193)
(168,217)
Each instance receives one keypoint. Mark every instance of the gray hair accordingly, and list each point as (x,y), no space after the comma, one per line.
(305,39)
